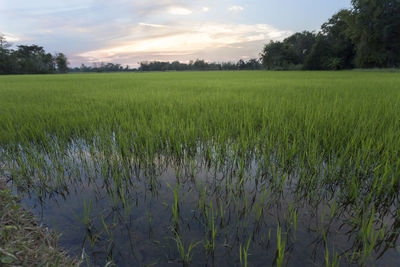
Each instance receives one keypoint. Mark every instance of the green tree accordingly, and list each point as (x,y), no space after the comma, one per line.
(298,46)
(33,59)
(320,55)
(200,64)
(273,56)
(375,29)
(289,54)
(4,55)
(341,47)
(8,62)
(61,62)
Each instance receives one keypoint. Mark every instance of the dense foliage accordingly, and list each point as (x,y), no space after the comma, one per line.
(251,64)
(197,65)
(101,67)
(29,59)
(366,36)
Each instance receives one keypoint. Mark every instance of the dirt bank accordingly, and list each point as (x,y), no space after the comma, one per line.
(22,241)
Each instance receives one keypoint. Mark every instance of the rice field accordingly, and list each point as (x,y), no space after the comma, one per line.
(209,168)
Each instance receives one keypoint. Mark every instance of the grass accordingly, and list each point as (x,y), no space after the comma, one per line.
(329,140)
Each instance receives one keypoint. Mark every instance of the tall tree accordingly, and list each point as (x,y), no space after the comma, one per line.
(273,55)
(375,30)
(61,62)
(5,67)
(341,47)
(298,46)
(290,53)
(29,59)
(33,59)
(319,57)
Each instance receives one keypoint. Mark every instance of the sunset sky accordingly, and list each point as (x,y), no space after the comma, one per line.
(128,32)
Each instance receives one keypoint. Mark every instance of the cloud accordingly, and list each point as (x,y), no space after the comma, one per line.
(11,38)
(178,10)
(151,25)
(127,32)
(182,41)
(235,9)
(161,7)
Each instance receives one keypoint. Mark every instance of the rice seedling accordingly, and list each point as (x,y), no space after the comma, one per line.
(175,205)
(211,231)
(86,218)
(185,252)
(280,252)
(245,252)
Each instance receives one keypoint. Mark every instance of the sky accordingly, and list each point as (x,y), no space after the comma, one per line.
(129,32)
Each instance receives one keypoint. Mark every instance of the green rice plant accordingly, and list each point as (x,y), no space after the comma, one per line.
(175,205)
(280,247)
(245,252)
(369,236)
(335,262)
(86,217)
(202,197)
(185,253)
(211,230)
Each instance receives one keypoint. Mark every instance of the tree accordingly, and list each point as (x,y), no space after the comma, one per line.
(273,56)
(253,64)
(199,64)
(299,46)
(289,54)
(33,59)
(341,47)
(3,42)
(375,30)
(319,57)
(5,56)
(29,59)
(61,63)
(366,36)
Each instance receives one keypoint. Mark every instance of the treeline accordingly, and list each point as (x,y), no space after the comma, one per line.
(200,65)
(30,59)
(101,67)
(367,36)
(197,65)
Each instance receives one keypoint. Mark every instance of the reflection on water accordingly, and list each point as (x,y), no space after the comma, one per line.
(205,211)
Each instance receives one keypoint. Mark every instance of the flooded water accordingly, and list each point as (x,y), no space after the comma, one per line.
(173,213)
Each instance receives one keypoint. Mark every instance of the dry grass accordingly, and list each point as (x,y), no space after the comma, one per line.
(22,241)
